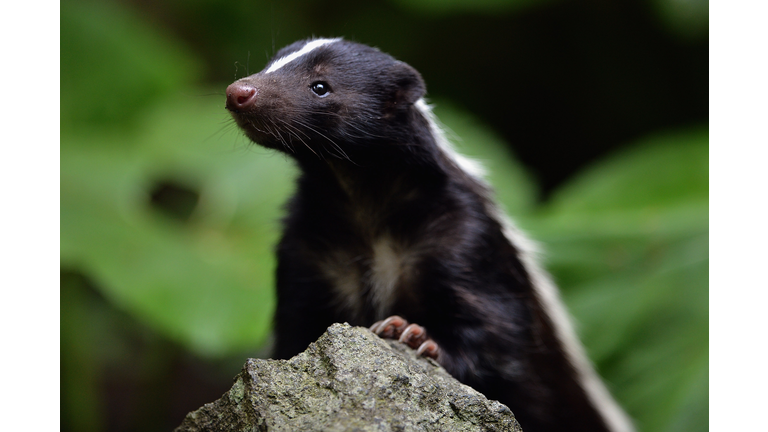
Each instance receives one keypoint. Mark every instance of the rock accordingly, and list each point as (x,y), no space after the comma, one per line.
(350,380)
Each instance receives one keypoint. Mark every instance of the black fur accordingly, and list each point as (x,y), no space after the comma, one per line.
(372,169)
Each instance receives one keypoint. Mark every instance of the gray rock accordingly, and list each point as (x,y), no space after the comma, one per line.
(350,380)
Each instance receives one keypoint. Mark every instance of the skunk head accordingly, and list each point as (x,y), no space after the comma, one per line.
(327,97)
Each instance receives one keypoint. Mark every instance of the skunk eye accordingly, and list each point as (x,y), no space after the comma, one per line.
(320,88)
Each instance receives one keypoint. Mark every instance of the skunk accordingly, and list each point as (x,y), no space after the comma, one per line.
(389,225)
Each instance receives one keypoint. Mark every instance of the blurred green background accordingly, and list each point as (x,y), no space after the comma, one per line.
(591,115)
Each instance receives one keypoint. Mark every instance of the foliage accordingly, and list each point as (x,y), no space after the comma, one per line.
(629,244)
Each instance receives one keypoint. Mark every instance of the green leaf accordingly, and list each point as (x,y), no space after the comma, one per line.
(113,64)
(628,243)
(208,282)
(662,172)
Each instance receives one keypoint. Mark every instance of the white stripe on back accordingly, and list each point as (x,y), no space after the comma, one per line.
(310,46)
(543,288)
(470,166)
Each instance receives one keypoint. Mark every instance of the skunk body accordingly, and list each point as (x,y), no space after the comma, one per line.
(387,219)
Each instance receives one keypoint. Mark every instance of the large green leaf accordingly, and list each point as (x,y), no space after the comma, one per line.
(207,282)
(127,128)
(627,240)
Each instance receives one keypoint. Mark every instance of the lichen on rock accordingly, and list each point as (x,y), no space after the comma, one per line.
(349,380)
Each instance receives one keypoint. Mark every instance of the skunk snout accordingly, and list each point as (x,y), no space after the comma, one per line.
(241,96)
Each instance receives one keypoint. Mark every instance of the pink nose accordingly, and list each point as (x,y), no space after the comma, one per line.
(240,96)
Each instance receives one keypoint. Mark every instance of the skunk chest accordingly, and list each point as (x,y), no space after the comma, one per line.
(368,281)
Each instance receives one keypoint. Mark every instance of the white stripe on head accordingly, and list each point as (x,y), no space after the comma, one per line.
(310,46)
(543,288)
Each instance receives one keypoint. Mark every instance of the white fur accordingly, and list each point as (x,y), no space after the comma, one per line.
(471,166)
(390,265)
(340,270)
(549,297)
(544,290)
(386,270)
(308,47)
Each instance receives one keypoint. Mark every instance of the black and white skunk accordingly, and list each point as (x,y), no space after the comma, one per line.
(390,225)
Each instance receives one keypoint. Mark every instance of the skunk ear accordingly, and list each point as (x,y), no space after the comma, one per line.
(409,87)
